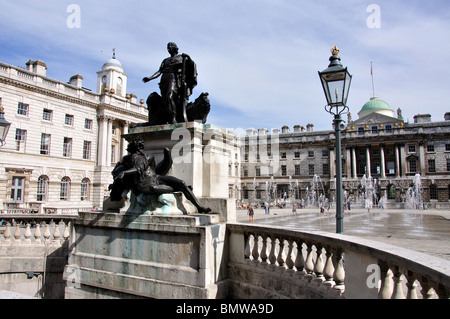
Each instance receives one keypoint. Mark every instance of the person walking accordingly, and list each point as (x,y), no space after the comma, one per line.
(251,213)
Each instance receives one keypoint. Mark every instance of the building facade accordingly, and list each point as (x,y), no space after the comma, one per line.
(300,165)
(64,139)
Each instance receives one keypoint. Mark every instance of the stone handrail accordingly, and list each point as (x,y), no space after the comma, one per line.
(335,266)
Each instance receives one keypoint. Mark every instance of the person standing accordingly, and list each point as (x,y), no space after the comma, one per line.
(251,213)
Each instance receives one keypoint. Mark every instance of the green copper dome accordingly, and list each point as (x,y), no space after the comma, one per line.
(375,105)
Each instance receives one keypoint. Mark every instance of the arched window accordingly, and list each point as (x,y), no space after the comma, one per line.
(85,189)
(42,189)
(65,189)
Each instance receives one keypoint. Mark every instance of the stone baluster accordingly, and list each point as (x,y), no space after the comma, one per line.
(281,257)
(411,285)
(56,235)
(37,234)
(319,265)
(7,234)
(426,291)
(289,261)
(255,251)
(309,265)
(27,235)
(263,254)
(328,270)
(272,257)
(47,232)
(339,272)
(17,234)
(386,286)
(398,289)
(66,233)
(300,260)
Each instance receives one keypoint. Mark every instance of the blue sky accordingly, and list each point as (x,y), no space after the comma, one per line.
(258,59)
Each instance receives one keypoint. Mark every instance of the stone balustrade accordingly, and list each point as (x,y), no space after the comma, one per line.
(270,262)
(35,229)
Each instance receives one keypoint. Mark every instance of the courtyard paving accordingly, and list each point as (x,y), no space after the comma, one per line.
(426,231)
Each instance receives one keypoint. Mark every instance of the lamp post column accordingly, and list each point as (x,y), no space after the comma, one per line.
(339,203)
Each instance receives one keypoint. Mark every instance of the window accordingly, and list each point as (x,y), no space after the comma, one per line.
(84,190)
(245,171)
(67,147)
(448,164)
(258,171)
(433,192)
(68,120)
(325,153)
(297,154)
(430,148)
(411,148)
(47,115)
(447,147)
(326,169)
(88,124)
(45,144)
(374,129)
(361,130)
(412,166)
(388,128)
(431,166)
(311,169)
(258,194)
(283,155)
(283,170)
(64,190)
(297,170)
(42,189)
(87,150)
(245,193)
(311,154)
(17,189)
(21,137)
(23,109)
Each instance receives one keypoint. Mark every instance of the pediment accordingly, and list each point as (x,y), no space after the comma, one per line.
(375,118)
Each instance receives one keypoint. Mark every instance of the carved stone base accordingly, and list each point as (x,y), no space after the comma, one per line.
(163,205)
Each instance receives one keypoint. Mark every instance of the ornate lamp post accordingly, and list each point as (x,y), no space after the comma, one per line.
(336,82)
(4,127)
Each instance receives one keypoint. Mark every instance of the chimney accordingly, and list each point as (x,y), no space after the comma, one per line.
(40,68)
(422,118)
(76,80)
(297,128)
(447,116)
(285,129)
(310,128)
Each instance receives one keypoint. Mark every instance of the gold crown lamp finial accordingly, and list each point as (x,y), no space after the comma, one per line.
(335,51)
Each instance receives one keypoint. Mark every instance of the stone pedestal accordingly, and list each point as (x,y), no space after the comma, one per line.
(198,154)
(132,256)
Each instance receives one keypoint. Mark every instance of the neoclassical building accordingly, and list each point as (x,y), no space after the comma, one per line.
(380,145)
(64,139)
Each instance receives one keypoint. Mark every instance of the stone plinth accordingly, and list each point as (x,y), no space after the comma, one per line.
(131,255)
(198,154)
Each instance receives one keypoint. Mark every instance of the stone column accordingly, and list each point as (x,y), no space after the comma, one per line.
(383,165)
(422,157)
(397,161)
(332,164)
(108,141)
(354,168)
(124,142)
(368,168)
(402,160)
(349,162)
(102,141)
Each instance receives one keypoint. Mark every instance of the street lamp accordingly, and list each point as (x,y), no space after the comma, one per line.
(4,127)
(336,82)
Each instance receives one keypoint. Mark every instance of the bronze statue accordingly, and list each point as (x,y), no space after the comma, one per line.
(178,79)
(139,173)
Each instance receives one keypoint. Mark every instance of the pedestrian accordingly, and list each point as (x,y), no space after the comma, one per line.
(266,208)
(294,208)
(250,213)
